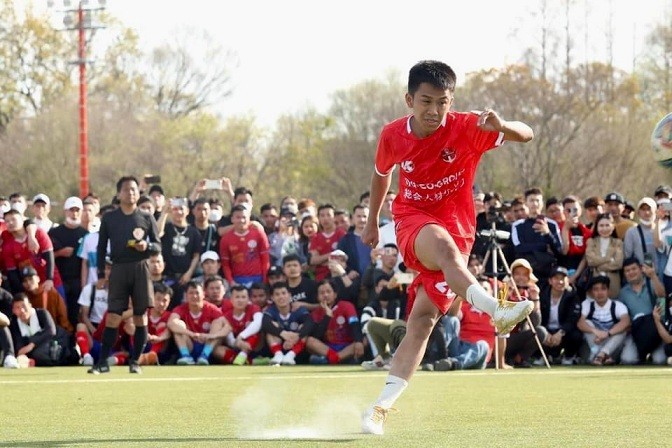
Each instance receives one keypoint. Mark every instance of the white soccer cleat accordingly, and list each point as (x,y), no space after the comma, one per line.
(289,359)
(87,360)
(508,314)
(11,362)
(186,361)
(373,419)
(277,359)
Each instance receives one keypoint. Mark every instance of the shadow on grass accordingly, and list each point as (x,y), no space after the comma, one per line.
(168,441)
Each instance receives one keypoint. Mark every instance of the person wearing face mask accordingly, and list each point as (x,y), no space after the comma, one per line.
(638,240)
(66,239)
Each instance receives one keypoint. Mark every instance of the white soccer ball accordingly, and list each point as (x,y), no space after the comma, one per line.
(661,141)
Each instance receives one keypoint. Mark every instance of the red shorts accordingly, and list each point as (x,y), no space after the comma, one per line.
(407,228)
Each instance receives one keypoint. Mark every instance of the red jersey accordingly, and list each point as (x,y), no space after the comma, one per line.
(324,244)
(244,255)
(338,330)
(202,322)
(157,325)
(578,239)
(476,325)
(239,323)
(16,255)
(437,172)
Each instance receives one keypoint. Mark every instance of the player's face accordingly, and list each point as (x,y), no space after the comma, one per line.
(326,218)
(430,105)
(239,300)
(326,294)
(14,222)
(281,297)
(215,291)
(129,193)
(195,296)
(258,297)
(161,301)
(240,220)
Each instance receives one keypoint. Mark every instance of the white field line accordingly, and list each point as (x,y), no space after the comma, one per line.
(318,376)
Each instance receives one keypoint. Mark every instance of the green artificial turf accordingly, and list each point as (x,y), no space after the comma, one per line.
(308,406)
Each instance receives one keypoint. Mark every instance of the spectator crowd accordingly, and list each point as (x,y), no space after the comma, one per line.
(293,283)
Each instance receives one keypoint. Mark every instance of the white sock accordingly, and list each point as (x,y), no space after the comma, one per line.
(394,387)
(479,297)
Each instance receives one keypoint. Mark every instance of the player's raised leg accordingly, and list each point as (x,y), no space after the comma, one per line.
(422,319)
(436,250)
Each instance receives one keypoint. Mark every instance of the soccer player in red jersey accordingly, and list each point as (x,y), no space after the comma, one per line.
(245,320)
(197,326)
(325,241)
(338,336)
(157,326)
(438,151)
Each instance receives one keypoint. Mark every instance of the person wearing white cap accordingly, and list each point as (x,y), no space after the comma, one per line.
(41,208)
(210,266)
(66,239)
(638,240)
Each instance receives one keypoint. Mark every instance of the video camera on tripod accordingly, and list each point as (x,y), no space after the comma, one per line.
(501,235)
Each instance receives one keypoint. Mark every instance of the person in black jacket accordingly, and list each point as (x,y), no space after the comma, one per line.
(33,331)
(560,311)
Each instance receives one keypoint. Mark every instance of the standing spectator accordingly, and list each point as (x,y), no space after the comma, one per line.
(640,294)
(575,237)
(241,197)
(89,215)
(359,254)
(537,238)
(519,208)
(307,230)
(325,241)
(210,266)
(181,249)
(284,240)
(638,240)
(604,253)
(66,239)
(342,219)
(615,204)
(269,217)
(208,231)
(159,198)
(129,233)
(560,311)
(41,208)
(555,211)
(604,322)
(244,250)
(593,206)
(386,210)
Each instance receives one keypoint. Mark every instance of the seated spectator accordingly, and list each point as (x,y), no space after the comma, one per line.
(338,334)
(346,281)
(49,300)
(388,255)
(197,327)
(560,311)
(156,267)
(604,322)
(286,329)
(92,307)
(244,318)
(302,290)
(604,253)
(158,334)
(7,354)
(664,326)
(307,230)
(216,290)
(275,275)
(259,295)
(33,331)
(640,295)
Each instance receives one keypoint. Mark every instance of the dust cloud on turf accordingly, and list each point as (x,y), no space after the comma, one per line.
(267,410)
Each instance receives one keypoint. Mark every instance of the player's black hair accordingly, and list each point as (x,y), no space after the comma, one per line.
(267,206)
(214,278)
(193,284)
(238,208)
(291,257)
(533,190)
(241,190)
(279,285)
(238,288)
(162,288)
(436,73)
(325,207)
(124,179)
(259,285)
(199,201)
(359,206)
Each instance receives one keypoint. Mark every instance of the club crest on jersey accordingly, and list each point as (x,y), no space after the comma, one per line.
(252,244)
(340,320)
(138,233)
(448,155)
(407,166)
(206,326)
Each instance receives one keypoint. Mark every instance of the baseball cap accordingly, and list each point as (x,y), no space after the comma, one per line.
(614,196)
(338,253)
(648,201)
(663,189)
(274,271)
(156,188)
(559,270)
(41,198)
(289,210)
(28,271)
(526,264)
(72,202)
(209,255)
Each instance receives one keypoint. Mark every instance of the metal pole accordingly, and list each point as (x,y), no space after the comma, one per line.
(83,124)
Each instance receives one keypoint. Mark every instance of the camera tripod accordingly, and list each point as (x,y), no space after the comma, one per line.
(494,253)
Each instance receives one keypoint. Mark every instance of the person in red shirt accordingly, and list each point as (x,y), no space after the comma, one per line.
(338,335)
(158,333)
(325,241)
(197,326)
(575,236)
(438,151)
(244,250)
(245,320)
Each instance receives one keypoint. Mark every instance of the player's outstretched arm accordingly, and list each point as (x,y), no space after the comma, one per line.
(514,131)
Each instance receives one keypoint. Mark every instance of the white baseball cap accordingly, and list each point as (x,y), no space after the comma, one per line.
(72,202)
(41,198)
(209,255)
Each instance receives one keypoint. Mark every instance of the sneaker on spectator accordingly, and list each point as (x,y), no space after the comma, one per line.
(669,361)
(261,361)
(240,359)
(277,359)
(134,367)
(318,359)
(377,363)
(445,364)
(289,359)
(98,369)
(25,362)
(186,361)
(87,360)
(539,362)
(427,367)
(202,361)
(568,361)
(11,362)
